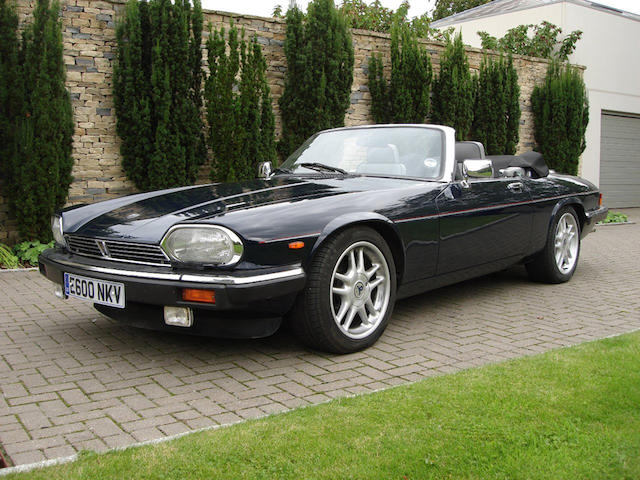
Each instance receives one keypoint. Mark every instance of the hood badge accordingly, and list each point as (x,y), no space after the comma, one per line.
(131,216)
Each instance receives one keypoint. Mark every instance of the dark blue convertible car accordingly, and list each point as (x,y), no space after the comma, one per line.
(353,220)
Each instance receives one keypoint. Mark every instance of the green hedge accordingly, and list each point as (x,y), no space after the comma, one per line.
(319,75)
(36,122)
(157,92)
(560,116)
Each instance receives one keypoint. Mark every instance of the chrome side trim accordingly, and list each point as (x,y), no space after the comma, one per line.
(177,277)
(595,213)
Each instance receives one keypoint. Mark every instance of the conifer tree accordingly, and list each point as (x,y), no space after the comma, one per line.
(560,116)
(319,75)
(405,99)
(39,171)
(157,92)
(9,85)
(497,108)
(453,90)
(239,109)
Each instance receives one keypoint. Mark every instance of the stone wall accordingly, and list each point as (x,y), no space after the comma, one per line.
(89,50)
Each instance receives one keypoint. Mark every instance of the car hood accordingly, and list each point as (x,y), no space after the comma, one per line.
(147,217)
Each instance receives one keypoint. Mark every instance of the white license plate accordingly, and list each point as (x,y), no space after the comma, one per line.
(96,291)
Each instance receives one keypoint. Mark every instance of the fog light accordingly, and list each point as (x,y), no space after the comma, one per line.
(178,316)
(59,292)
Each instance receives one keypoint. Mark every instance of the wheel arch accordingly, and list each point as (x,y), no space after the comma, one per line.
(573,202)
(381,224)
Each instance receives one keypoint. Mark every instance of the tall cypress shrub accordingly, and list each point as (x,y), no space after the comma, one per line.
(157,92)
(560,117)
(9,85)
(453,90)
(239,111)
(497,108)
(319,76)
(405,99)
(39,170)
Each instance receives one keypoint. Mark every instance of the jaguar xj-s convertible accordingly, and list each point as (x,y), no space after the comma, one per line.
(353,220)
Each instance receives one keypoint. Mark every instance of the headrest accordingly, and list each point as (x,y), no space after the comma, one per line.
(468,150)
(381,155)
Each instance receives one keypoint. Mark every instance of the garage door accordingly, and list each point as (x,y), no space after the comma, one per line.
(620,160)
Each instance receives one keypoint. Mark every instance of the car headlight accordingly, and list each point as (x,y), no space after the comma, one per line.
(209,244)
(56,228)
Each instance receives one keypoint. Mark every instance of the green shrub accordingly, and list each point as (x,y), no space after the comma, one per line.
(542,43)
(615,217)
(453,90)
(9,74)
(405,99)
(157,92)
(7,257)
(239,110)
(445,8)
(38,168)
(29,251)
(319,75)
(496,120)
(560,116)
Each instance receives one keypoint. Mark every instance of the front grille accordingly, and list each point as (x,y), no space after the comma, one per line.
(120,251)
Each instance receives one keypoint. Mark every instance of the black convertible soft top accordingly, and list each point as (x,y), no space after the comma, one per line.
(531,160)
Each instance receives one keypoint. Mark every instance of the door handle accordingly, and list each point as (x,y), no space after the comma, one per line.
(515,187)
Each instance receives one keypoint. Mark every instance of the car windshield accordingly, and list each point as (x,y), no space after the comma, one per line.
(386,151)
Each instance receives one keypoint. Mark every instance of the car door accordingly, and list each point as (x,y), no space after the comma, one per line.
(483,220)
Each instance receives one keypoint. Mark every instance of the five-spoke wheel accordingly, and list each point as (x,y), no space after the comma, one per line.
(360,289)
(559,258)
(350,292)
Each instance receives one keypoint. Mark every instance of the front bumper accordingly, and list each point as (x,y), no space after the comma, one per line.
(251,300)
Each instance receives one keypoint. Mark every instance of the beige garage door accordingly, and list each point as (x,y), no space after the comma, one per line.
(620,160)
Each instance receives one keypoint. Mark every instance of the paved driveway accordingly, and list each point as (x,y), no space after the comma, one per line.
(72,379)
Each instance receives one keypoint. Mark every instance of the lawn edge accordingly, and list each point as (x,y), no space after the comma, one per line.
(156,441)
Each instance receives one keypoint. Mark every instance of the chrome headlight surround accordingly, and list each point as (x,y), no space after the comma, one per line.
(58,231)
(189,244)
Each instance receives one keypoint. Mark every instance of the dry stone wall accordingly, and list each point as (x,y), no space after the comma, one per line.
(89,51)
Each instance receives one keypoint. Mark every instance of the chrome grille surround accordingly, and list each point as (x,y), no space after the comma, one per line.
(128,252)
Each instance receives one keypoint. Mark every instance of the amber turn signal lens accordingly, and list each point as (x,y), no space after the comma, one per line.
(296,245)
(600,201)
(196,295)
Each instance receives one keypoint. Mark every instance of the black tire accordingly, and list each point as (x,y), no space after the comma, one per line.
(544,267)
(312,318)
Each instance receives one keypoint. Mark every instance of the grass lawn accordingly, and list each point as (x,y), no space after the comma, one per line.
(572,413)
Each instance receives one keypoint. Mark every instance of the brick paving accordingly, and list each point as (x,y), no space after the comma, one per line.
(72,379)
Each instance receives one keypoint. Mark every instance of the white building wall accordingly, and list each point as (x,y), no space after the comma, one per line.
(609,49)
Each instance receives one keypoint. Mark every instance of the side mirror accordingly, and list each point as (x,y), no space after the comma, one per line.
(264,170)
(477,168)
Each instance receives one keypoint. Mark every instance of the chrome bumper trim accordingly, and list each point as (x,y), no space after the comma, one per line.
(177,277)
(602,211)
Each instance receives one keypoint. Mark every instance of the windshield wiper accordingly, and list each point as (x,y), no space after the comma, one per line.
(321,167)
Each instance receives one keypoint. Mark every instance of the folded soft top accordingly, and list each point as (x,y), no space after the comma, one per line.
(531,160)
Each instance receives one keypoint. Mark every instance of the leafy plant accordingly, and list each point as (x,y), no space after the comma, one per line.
(405,99)
(615,217)
(29,251)
(239,110)
(37,149)
(7,257)
(319,76)
(542,43)
(497,107)
(445,8)
(560,117)
(453,90)
(157,92)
